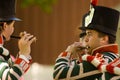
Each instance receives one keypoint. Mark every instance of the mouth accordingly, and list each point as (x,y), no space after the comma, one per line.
(85,47)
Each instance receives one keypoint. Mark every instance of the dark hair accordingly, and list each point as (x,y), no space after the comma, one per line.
(1,23)
(112,39)
(8,22)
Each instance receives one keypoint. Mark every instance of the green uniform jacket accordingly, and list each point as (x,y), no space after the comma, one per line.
(10,70)
(67,69)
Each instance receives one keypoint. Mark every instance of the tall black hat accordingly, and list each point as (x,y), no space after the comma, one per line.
(7,10)
(103,19)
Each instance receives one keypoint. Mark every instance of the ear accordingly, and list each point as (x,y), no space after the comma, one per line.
(4,25)
(104,40)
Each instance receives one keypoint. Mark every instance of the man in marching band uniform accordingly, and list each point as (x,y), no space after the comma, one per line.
(10,70)
(101,27)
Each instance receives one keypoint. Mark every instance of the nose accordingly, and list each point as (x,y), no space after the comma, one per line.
(86,39)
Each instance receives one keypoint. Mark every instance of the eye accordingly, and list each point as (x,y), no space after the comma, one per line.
(88,34)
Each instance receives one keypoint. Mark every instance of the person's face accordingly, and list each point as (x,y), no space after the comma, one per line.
(92,39)
(8,30)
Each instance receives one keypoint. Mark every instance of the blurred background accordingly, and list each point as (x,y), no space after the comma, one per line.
(55,23)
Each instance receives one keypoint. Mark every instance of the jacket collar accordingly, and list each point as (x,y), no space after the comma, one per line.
(106,48)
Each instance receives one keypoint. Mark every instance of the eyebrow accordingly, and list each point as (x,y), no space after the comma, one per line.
(88,32)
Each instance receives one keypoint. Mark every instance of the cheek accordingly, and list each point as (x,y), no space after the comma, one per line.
(93,41)
(10,30)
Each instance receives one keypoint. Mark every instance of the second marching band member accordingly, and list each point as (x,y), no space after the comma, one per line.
(101,27)
(10,70)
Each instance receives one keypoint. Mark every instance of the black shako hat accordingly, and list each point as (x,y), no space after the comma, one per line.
(7,10)
(103,19)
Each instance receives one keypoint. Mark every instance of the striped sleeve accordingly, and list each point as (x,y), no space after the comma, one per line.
(14,72)
(67,69)
(110,69)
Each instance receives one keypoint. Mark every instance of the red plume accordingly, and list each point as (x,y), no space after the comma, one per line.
(94,2)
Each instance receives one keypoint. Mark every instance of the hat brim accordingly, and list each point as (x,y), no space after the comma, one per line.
(15,19)
(82,28)
(9,19)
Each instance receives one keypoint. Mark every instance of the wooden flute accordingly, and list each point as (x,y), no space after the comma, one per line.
(18,37)
(15,37)
(82,48)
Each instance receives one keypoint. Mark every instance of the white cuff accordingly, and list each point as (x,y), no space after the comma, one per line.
(24,57)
